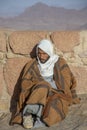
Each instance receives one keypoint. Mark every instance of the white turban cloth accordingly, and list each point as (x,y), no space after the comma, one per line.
(46,69)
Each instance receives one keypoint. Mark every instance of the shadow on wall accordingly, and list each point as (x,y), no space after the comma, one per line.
(33,52)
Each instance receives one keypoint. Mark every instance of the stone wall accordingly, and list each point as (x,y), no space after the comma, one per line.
(15,49)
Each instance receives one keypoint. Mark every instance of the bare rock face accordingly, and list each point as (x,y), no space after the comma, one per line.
(2,41)
(12,72)
(1,80)
(65,41)
(23,42)
(80,74)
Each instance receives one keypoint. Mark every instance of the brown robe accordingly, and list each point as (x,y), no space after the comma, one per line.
(34,90)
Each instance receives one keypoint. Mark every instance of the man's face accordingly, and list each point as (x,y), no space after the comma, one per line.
(43,57)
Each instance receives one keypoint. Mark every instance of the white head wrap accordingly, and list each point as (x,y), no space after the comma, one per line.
(46,69)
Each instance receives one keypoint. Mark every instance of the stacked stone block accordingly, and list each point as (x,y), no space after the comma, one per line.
(15,49)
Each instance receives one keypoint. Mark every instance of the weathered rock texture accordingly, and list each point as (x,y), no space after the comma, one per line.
(15,49)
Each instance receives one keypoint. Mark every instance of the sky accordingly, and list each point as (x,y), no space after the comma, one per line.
(15,7)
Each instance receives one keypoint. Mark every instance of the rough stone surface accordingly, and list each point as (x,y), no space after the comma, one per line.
(65,41)
(82,47)
(4,105)
(75,120)
(81,77)
(73,59)
(12,72)
(83,40)
(23,42)
(84,60)
(1,79)
(1,56)
(2,41)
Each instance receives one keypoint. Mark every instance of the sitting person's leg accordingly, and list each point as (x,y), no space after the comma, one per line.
(32,116)
(34,109)
(38,95)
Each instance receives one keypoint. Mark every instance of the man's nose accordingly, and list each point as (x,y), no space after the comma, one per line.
(42,55)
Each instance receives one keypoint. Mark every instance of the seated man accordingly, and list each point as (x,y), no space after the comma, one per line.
(47,89)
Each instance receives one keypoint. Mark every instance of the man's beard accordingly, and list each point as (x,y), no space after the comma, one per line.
(43,61)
